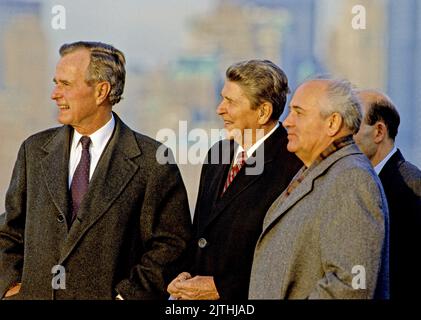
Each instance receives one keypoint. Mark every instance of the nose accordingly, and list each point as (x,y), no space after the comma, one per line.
(288,121)
(220,109)
(55,94)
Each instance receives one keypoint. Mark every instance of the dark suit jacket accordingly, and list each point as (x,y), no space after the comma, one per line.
(226,228)
(132,225)
(402,185)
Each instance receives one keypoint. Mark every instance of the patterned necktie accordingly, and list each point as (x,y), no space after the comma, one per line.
(80,181)
(236,167)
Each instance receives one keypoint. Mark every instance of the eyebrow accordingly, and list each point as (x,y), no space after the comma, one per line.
(296,107)
(60,81)
(226,97)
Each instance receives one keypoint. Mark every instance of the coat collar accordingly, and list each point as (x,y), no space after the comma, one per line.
(395,161)
(278,208)
(271,147)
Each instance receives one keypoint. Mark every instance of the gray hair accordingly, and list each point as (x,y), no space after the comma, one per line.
(343,100)
(106,64)
(262,81)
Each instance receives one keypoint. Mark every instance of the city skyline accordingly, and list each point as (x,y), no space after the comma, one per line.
(177,52)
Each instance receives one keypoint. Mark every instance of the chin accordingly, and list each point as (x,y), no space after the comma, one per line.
(291,148)
(63,120)
(229,134)
(60,120)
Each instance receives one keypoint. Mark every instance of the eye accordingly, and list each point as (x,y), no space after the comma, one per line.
(297,111)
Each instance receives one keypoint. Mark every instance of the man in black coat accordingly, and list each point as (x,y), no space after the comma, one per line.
(90,213)
(401,181)
(234,196)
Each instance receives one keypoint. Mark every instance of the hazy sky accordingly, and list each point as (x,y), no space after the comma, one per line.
(143,28)
(140,28)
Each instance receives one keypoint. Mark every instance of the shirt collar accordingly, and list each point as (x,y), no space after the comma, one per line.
(99,138)
(381,164)
(256,145)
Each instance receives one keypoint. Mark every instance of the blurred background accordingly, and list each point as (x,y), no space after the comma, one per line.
(177,52)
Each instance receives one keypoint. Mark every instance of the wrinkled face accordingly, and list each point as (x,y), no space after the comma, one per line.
(235,109)
(364,138)
(306,127)
(73,96)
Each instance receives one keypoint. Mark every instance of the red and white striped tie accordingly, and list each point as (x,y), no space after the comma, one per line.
(236,167)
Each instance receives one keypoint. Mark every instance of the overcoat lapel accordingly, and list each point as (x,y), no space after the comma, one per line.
(389,169)
(114,171)
(242,181)
(55,167)
(279,207)
(212,193)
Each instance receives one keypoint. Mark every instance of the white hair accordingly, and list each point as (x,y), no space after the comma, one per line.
(343,99)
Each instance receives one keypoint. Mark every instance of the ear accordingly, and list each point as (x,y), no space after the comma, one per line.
(380,132)
(334,124)
(264,112)
(102,90)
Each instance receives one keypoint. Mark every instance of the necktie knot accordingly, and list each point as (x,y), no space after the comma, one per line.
(85,141)
(241,158)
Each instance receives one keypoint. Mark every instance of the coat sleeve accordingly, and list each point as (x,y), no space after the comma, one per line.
(165,229)
(353,238)
(12,230)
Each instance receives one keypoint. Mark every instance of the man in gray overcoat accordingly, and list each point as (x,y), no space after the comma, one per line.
(326,235)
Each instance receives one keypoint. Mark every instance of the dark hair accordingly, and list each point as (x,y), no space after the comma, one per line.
(384,110)
(106,64)
(262,81)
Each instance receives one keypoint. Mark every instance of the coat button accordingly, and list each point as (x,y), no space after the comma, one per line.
(60,218)
(202,243)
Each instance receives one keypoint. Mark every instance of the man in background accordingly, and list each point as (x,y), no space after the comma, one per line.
(401,181)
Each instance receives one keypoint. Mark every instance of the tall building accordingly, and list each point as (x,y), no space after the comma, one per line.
(23,81)
(188,88)
(298,42)
(386,56)
(235,31)
(404,72)
(360,55)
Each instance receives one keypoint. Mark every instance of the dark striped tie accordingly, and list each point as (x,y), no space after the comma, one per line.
(236,167)
(80,181)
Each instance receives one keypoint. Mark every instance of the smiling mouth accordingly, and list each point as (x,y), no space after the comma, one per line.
(63,107)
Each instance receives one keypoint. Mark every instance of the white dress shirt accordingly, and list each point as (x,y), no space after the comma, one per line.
(99,140)
(256,145)
(381,164)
